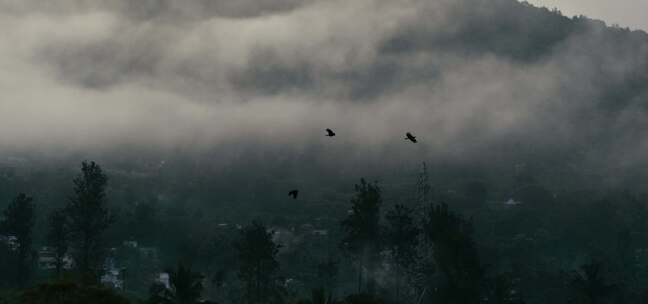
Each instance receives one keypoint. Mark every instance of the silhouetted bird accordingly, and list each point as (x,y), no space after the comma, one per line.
(410,137)
(293,193)
(330,133)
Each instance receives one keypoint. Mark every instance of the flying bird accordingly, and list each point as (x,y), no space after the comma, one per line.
(330,133)
(410,137)
(293,193)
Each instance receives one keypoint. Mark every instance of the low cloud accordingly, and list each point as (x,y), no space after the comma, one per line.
(470,78)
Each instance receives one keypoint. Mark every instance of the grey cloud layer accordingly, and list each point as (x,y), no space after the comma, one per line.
(466,76)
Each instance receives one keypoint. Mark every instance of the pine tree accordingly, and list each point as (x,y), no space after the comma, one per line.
(327,273)
(455,255)
(362,228)
(402,239)
(88,220)
(57,238)
(258,266)
(590,285)
(19,222)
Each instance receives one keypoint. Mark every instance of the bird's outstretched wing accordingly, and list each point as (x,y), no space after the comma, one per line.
(410,137)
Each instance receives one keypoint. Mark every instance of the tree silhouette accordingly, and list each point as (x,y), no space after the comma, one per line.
(6,265)
(18,222)
(88,220)
(327,272)
(258,265)
(362,229)
(455,254)
(57,238)
(186,285)
(402,239)
(590,285)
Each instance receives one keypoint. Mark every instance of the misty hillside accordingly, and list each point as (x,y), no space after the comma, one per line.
(211,104)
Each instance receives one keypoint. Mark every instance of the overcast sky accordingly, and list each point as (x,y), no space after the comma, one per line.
(173,74)
(630,13)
